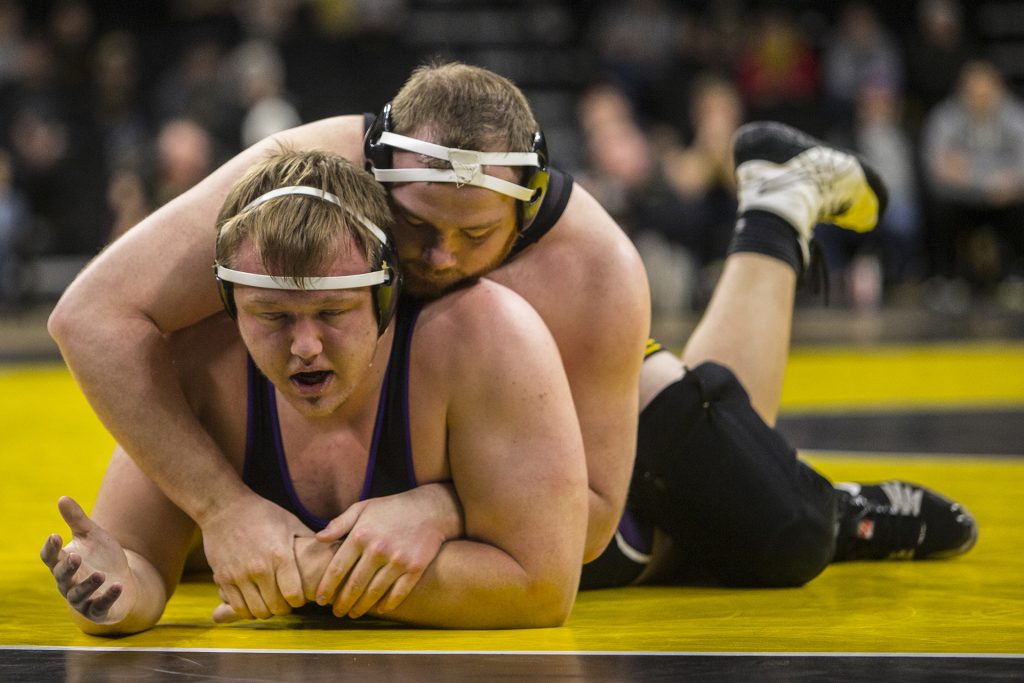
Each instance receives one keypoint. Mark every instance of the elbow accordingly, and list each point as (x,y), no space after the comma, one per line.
(68,319)
(597,541)
(61,322)
(550,604)
(602,521)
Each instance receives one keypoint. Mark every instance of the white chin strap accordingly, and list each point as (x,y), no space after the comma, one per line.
(467,166)
(377,277)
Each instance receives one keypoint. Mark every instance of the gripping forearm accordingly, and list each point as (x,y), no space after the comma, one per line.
(125,372)
(473,585)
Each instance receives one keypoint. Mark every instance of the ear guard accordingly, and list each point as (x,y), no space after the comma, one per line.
(466,165)
(384,281)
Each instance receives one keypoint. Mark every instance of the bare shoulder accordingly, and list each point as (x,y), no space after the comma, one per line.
(483,323)
(480,312)
(584,276)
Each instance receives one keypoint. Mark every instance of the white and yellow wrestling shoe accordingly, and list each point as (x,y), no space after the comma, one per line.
(786,172)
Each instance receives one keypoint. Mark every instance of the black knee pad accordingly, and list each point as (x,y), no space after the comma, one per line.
(728,489)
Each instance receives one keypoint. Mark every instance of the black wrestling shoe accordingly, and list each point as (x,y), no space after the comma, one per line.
(898,520)
(786,172)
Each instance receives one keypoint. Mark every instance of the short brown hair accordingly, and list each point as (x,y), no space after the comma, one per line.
(464,106)
(296,235)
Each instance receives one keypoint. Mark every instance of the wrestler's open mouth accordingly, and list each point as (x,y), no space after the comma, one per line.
(311,379)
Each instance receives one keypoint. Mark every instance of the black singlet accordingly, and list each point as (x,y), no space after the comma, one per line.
(389,469)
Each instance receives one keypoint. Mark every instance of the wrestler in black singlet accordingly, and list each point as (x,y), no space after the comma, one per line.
(389,469)
(726,487)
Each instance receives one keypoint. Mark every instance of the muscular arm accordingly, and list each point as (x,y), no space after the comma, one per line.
(111,324)
(517,464)
(590,287)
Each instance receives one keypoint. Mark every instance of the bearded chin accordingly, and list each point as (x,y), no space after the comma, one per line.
(420,288)
(414,284)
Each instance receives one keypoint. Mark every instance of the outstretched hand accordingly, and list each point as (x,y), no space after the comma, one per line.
(92,572)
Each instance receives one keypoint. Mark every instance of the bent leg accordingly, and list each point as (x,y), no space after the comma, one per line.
(728,489)
(746,327)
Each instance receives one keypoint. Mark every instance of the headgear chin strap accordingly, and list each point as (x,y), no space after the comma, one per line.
(467,166)
(384,281)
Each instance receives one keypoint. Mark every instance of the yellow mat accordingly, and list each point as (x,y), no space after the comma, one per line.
(51,445)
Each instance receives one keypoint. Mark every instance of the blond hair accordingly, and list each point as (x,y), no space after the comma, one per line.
(297,235)
(464,106)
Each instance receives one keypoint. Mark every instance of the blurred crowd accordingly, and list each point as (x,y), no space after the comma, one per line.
(110,109)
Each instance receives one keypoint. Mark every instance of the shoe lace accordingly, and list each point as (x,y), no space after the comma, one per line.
(823,168)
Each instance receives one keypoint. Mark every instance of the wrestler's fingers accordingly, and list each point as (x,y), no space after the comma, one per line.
(225,614)
(340,525)
(355,584)
(378,586)
(290,583)
(337,569)
(75,517)
(64,571)
(99,605)
(79,594)
(50,552)
(254,601)
(230,594)
(400,590)
(271,597)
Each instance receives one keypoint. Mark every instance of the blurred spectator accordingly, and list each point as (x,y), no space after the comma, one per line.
(129,199)
(936,53)
(869,266)
(701,176)
(194,88)
(184,156)
(974,160)
(777,72)
(268,20)
(71,32)
(14,224)
(55,167)
(118,110)
(858,51)
(11,36)
(258,70)
(622,162)
(625,174)
(635,45)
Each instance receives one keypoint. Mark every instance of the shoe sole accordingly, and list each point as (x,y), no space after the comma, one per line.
(778,143)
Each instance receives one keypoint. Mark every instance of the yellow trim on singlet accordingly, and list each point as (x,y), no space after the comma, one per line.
(653,346)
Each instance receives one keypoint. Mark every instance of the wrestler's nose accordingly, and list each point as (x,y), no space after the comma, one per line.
(306,341)
(439,255)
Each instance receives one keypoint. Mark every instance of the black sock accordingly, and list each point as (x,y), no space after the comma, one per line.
(765,233)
